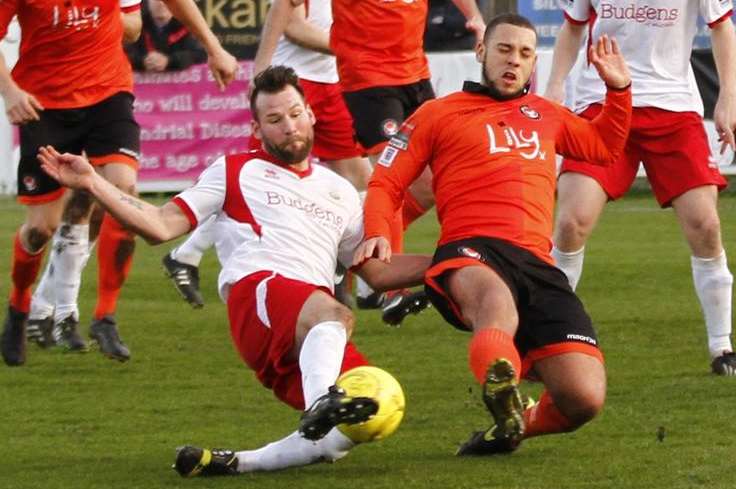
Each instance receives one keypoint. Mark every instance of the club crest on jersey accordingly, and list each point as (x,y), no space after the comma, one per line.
(389,127)
(30,183)
(334,195)
(470,252)
(529,112)
(270,173)
(401,139)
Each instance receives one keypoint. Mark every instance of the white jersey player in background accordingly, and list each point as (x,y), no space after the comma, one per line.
(667,136)
(281,225)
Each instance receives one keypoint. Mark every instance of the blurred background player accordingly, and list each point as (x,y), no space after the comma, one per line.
(106,131)
(278,268)
(165,44)
(667,136)
(385,76)
(492,151)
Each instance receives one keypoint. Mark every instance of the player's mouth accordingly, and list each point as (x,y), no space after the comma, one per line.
(509,77)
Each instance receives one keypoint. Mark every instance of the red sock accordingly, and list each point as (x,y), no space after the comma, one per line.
(411,210)
(24,270)
(544,418)
(397,234)
(114,258)
(487,346)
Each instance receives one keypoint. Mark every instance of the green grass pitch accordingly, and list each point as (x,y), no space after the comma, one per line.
(82,421)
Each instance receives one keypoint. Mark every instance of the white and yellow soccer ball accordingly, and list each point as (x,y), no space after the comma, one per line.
(380,385)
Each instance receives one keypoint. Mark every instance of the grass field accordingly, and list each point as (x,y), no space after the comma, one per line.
(81,421)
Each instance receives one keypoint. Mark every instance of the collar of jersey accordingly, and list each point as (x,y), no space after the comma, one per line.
(475,87)
(263,155)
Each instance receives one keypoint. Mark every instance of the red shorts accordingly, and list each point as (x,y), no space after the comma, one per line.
(672,146)
(263,309)
(333,131)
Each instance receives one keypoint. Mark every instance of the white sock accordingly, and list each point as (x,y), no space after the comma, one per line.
(295,451)
(570,263)
(320,358)
(69,257)
(713,285)
(43,300)
(362,288)
(190,251)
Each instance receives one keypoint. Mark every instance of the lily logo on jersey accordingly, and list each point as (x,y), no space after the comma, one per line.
(528,145)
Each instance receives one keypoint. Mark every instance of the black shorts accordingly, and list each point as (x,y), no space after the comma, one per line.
(105,129)
(379,111)
(549,311)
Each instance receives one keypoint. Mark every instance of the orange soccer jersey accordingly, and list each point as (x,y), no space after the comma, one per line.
(493,163)
(71,52)
(379,43)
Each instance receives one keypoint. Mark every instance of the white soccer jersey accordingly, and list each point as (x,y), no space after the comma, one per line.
(310,65)
(270,217)
(656,38)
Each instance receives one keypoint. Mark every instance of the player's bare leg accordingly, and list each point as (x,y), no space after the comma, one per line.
(697,212)
(580,202)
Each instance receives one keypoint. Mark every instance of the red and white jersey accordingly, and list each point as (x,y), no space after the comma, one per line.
(71,52)
(271,217)
(656,38)
(308,64)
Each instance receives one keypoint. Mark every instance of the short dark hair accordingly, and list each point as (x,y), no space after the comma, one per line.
(513,19)
(273,80)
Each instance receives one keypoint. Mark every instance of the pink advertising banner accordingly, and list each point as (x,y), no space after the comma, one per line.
(187,122)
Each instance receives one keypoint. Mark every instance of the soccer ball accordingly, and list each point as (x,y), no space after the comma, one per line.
(380,385)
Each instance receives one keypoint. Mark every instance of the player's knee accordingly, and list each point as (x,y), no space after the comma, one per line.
(37,235)
(345,317)
(708,230)
(582,406)
(573,226)
(78,207)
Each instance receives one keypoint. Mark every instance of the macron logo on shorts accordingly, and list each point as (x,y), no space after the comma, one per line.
(583,338)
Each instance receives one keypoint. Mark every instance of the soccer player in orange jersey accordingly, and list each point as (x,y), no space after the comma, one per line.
(492,151)
(72,87)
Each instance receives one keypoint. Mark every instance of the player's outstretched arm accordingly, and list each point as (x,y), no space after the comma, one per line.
(154,224)
(403,271)
(376,247)
(273,28)
(473,17)
(305,34)
(20,106)
(132,25)
(222,64)
(610,63)
(567,47)
(724,53)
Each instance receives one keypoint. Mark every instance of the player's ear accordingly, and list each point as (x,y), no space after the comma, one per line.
(480,51)
(312,119)
(255,128)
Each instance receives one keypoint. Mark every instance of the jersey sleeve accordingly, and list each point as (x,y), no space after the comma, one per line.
(352,236)
(400,163)
(130,5)
(715,11)
(207,196)
(8,9)
(601,140)
(577,11)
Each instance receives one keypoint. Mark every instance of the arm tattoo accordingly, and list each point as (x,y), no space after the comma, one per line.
(132,201)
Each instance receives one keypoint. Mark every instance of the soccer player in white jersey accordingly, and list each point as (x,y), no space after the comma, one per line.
(281,225)
(667,136)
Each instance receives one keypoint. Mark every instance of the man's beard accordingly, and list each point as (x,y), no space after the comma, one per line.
(493,90)
(283,153)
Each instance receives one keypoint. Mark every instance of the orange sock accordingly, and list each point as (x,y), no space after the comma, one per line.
(24,270)
(411,210)
(114,258)
(487,346)
(544,418)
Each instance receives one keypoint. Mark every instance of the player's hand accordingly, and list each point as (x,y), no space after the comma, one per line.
(21,106)
(555,92)
(477,27)
(155,61)
(377,247)
(73,171)
(724,117)
(609,62)
(223,66)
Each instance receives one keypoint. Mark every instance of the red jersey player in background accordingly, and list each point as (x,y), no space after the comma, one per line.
(72,87)
(492,151)
(667,136)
